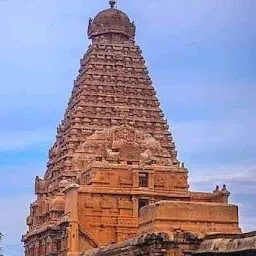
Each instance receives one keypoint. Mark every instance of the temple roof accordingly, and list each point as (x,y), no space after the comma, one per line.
(111,20)
(220,244)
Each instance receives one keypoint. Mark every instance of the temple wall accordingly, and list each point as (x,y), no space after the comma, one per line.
(126,176)
(202,218)
(105,218)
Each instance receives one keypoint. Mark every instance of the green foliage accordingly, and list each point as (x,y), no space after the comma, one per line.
(1,238)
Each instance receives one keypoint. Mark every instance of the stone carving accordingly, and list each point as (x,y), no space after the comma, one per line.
(40,186)
(159,181)
(108,203)
(120,143)
(125,181)
(181,181)
(88,202)
(146,157)
(123,203)
(100,177)
(110,155)
(130,152)
(125,134)
(78,163)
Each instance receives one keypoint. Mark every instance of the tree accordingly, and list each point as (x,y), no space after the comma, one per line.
(1,238)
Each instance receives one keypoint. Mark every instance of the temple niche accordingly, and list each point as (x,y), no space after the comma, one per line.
(113,183)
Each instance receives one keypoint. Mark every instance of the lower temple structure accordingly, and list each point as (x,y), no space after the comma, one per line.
(228,244)
(182,243)
(113,183)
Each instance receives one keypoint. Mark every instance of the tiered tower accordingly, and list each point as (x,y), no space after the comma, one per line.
(113,152)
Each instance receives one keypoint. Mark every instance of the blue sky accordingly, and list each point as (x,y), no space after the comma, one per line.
(202,59)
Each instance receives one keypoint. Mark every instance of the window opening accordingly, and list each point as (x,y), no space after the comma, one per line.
(143,179)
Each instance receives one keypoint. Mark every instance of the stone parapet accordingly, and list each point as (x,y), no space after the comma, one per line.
(239,244)
(154,244)
(200,218)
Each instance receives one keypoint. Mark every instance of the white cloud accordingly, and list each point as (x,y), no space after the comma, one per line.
(190,94)
(238,178)
(13,217)
(249,224)
(20,140)
(19,176)
(218,136)
(211,118)
(199,16)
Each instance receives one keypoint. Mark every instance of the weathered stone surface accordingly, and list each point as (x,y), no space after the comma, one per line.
(197,217)
(239,244)
(151,244)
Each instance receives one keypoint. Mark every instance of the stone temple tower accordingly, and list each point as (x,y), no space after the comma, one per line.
(113,155)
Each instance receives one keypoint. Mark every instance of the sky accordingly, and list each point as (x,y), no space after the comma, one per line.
(202,59)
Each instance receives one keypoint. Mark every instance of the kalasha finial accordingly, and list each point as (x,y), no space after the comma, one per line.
(112,3)
(217,189)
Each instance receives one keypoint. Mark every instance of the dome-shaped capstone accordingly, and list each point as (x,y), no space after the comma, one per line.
(111,21)
(58,204)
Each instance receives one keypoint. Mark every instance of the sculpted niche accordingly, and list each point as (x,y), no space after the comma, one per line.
(118,144)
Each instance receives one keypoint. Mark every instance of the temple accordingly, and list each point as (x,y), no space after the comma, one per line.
(113,184)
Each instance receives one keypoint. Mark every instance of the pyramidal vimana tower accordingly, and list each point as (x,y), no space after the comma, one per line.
(114,155)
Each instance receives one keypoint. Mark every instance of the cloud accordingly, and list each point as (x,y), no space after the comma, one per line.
(237,179)
(249,224)
(20,140)
(18,177)
(17,192)
(209,94)
(211,118)
(12,218)
(215,136)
